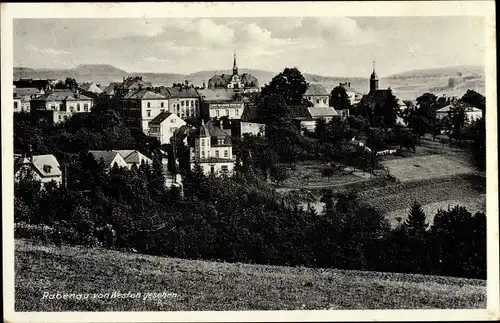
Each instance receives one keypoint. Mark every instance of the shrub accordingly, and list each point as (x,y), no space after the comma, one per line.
(327,171)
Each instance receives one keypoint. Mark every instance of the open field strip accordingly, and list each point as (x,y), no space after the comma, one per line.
(205,285)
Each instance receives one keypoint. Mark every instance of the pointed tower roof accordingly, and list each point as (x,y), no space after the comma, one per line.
(374,75)
(202,131)
(235,66)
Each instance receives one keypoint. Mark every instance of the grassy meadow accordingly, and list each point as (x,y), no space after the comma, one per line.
(203,285)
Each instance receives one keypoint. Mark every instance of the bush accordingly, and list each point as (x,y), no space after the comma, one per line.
(327,171)
(23,230)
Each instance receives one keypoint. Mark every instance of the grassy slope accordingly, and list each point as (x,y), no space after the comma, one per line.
(203,285)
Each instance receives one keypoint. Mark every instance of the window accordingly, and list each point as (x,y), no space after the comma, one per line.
(59,117)
(226,153)
(182,103)
(173,129)
(317,100)
(324,100)
(15,105)
(217,153)
(224,168)
(172,120)
(53,107)
(72,109)
(217,113)
(212,168)
(227,112)
(202,142)
(62,107)
(237,111)
(86,107)
(78,107)
(192,112)
(148,112)
(149,104)
(162,104)
(202,154)
(162,110)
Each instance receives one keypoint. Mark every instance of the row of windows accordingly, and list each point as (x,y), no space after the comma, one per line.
(217,155)
(162,104)
(188,103)
(217,112)
(62,107)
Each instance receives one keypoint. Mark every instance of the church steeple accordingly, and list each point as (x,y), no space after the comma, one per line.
(373,80)
(235,67)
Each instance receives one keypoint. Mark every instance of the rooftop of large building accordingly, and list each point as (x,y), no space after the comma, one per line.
(315,90)
(63,95)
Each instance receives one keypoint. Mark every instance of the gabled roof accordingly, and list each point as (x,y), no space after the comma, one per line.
(315,89)
(322,112)
(62,95)
(91,87)
(133,156)
(448,108)
(110,89)
(40,163)
(160,118)
(134,82)
(106,155)
(216,95)
(144,94)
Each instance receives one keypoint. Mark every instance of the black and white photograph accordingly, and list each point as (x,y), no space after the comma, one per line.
(219,157)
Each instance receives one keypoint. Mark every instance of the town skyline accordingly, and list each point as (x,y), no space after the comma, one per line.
(268,44)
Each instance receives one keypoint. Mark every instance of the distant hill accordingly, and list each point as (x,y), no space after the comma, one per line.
(407,85)
(105,74)
(451,71)
(98,69)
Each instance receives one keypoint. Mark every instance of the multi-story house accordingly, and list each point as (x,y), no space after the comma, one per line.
(58,105)
(164,126)
(23,96)
(183,100)
(220,103)
(211,149)
(138,108)
(45,168)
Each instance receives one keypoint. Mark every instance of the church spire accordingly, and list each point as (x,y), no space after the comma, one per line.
(373,80)
(235,67)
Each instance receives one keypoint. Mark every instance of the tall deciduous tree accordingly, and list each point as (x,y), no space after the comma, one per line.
(339,98)
(290,84)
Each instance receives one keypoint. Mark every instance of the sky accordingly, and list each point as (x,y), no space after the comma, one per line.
(329,46)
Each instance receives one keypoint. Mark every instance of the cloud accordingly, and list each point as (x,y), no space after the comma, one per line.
(213,33)
(48,51)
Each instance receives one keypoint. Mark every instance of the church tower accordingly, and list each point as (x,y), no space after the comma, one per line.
(373,80)
(235,67)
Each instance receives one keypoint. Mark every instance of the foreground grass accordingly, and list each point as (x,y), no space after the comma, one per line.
(203,285)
